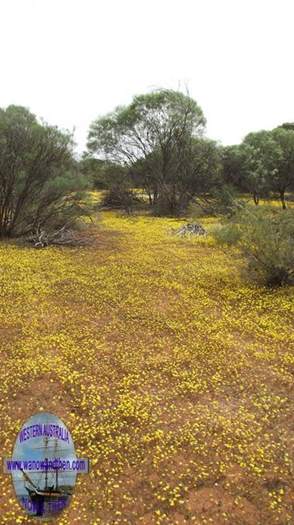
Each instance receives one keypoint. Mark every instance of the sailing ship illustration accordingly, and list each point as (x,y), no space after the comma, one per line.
(43,493)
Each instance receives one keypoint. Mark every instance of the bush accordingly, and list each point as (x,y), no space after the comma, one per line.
(227,235)
(225,201)
(165,207)
(40,185)
(266,237)
(221,201)
(119,197)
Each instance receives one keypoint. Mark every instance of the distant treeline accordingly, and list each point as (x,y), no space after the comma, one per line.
(157,143)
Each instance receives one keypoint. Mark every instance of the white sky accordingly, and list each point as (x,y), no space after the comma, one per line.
(70,61)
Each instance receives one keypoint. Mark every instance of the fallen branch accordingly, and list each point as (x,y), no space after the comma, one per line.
(62,237)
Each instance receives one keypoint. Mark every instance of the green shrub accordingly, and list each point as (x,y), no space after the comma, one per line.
(40,184)
(266,237)
(221,201)
(228,234)
(120,198)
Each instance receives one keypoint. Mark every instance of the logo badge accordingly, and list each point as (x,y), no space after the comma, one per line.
(44,466)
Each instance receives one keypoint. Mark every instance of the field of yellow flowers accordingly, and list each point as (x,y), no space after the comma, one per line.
(173,373)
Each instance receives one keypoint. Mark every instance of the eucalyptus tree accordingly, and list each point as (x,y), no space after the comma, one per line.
(256,164)
(39,182)
(234,166)
(270,162)
(282,177)
(159,134)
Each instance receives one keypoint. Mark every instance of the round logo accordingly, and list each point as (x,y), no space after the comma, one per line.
(44,466)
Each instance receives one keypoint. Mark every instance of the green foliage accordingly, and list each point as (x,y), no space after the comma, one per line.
(159,137)
(266,237)
(149,122)
(269,163)
(282,178)
(234,167)
(40,184)
(228,234)
(95,171)
(222,200)
(287,125)
(120,198)
(259,154)
(118,188)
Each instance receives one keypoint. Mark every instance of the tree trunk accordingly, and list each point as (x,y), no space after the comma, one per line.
(282,197)
(256,199)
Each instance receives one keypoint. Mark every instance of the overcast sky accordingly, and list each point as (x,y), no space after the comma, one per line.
(70,61)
